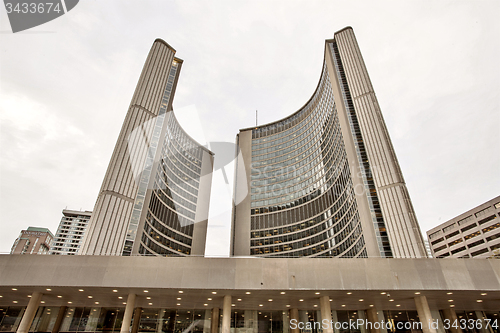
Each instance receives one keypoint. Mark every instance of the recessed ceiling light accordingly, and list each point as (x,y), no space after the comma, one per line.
(146,291)
(233,304)
(29,296)
(59,296)
(214,292)
(361,300)
(209,299)
(48,289)
(43,302)
(391,300)
(178,298)
(96,302)
(120,297)
(331,300)
(89,296)
(398,304)
(349,293)
(124,303)
(450,300)
(239,299)
(115,291)
(479,301)
(270,300)
(452,305)
(343,305)
(148,297)
(383,293)
(315,305)
(371,305)
(205,304)
(150,303)
(417,293)
(70,302)
(484,294)
(261,304)
(180,292)
(178,304)
(288,305)
(248,293)
(316,293)
(14,289)
(301,300)
(449,293)
(14,301)
(80,290)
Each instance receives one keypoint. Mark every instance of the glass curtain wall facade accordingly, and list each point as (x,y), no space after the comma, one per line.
(155,196)
(303,200)
(325,182)
(172,213)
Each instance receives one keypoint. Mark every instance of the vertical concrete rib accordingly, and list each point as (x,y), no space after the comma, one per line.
(108,225)
(403,230)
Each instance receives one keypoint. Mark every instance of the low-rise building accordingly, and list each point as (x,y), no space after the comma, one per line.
(34,240)
(475,233)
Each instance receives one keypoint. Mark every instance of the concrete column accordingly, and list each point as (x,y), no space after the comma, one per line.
(137,319)
(161,315)
(372,318)
(326,312)
(480,316)
(93,320)
(424,314)
(226,315)
(362,315)
(206,323)
(437,317)
(30,312)
(215,321)
(335,319)
(294,314)
(286,328)
(59,319)
(451,315)
(127,316)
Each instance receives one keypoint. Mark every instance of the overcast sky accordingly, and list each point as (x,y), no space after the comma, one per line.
(66,86)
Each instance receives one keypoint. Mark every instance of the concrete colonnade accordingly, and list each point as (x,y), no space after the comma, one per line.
(425,314)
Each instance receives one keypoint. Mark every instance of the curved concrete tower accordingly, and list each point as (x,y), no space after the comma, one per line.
(325,181)
(155,195)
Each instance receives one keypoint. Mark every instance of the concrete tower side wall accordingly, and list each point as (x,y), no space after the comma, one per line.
(241,231)
(201,221)
(402,226)
(112,211)
(363,208)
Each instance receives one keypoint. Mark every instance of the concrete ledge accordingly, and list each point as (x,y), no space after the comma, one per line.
(250,273)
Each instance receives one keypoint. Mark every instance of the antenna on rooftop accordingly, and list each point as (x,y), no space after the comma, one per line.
(255,118)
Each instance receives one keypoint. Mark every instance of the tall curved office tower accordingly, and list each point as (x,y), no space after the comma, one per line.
(155,195)
(325,181)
